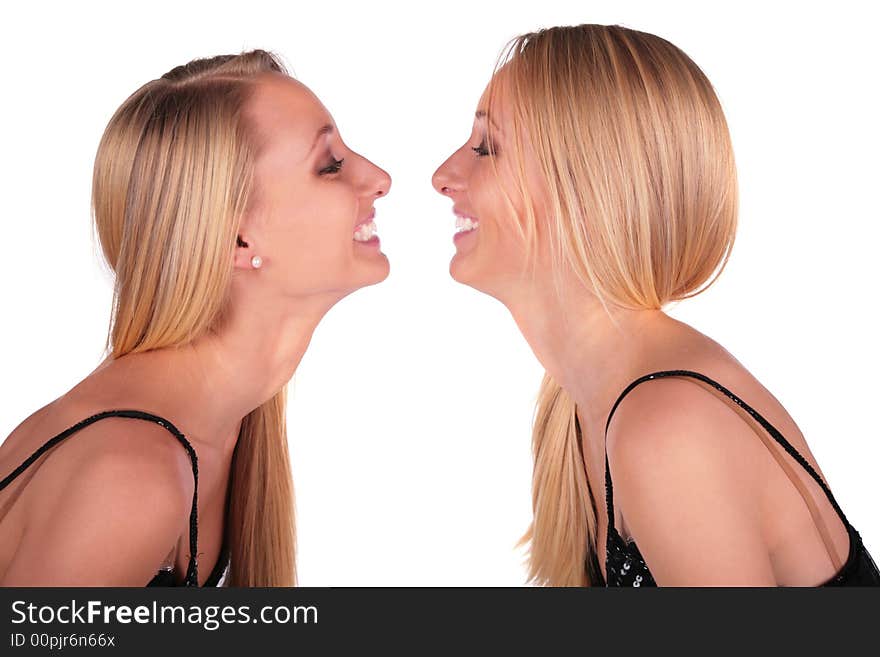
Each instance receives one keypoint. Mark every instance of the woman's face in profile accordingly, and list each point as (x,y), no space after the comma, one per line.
(490,257)
(310,221)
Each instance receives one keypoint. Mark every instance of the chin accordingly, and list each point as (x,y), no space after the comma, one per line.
(378,271)
(460,269)
(384,272)
(485,280)
(455,270)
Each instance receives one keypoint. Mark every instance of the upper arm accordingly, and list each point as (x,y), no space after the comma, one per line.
(112,523)
(684,478)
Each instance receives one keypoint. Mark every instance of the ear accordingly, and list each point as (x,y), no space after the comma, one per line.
(244,252)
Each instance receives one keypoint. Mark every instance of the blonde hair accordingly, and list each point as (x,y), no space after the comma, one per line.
(173,176)
(632,144)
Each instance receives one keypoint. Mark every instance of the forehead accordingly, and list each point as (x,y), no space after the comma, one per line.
(497,87)
(287,113)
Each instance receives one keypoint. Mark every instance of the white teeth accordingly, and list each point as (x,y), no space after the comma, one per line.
(365,231)
(463,224)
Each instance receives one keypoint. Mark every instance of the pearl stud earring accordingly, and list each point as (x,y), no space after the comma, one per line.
(256,262)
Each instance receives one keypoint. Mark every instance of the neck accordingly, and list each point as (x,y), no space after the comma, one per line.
(213,382)
(591,353)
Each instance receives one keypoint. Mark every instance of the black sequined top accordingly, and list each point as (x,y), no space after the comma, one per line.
(165,576)
(625,564)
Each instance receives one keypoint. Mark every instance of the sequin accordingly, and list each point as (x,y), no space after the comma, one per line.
(624,562)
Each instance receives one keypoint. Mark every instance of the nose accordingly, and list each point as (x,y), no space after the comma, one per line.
(443,179)
(382,182)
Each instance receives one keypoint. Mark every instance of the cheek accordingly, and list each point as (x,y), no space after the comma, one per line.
(484,196)
(487,194)
(313,229)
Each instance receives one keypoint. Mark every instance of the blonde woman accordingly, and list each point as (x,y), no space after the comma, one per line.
(233,216)
(598,185)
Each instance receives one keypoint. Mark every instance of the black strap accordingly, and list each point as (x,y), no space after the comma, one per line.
(192,576)
(764,423)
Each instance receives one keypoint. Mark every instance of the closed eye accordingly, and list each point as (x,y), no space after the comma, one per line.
(482,149)
(332,168)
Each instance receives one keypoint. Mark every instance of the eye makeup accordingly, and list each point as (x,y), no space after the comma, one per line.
(482,150)
(332,168)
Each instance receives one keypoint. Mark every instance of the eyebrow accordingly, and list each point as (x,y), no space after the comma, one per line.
(323,130)
(479,114)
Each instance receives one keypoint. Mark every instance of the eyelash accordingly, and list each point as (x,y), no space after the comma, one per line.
(333,168)
(481,150)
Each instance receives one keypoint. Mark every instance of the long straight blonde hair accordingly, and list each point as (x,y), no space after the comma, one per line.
(631,141)
(173,176)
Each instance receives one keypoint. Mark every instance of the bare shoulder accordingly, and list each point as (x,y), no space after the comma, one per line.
(677,414)
(147,454)
(133,464)
(682,466)
(147,448)
(106,507)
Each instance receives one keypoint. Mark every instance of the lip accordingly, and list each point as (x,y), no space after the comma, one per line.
(373,241)
(462,235)
(366,219)
(464,215)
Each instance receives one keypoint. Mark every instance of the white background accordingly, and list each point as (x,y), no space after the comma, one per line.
(410,413)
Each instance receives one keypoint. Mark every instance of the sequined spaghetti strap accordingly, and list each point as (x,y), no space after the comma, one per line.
(192,577)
